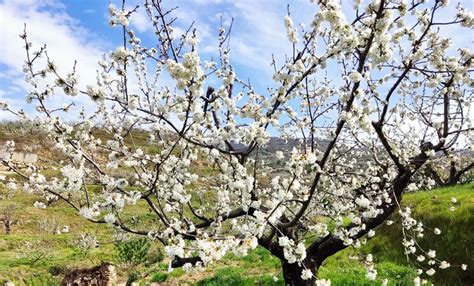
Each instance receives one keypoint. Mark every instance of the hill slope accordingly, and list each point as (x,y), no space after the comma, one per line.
(33,255)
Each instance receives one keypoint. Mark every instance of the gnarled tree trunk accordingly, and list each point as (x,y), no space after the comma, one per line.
(292,274)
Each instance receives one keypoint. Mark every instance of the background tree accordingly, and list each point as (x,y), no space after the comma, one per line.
(373,96)
(451,169)
(7,217)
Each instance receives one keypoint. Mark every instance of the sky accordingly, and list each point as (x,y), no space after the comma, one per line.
(79,30)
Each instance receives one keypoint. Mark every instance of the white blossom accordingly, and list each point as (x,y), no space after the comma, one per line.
(444,265)
(355,76)
(306,274)
(110,218)
(432,253)
(430,272)
(323,282)
(39,205)
(290,30)
(354,114)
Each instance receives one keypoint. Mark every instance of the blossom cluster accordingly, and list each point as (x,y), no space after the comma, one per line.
(198,160)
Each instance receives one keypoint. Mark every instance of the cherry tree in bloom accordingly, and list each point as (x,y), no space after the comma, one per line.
(450,169)
(372,96)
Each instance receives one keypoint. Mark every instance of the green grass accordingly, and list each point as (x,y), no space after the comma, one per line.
(456,242)
(341,270)
(455,245)
(236,276)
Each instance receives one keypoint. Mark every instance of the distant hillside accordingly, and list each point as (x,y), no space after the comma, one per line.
(29,138)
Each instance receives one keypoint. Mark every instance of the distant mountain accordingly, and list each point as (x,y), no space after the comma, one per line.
(284,145)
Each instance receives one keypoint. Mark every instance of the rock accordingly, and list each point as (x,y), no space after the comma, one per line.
(30,158)
(9,283)
(102,275)
(65,229)
(19,157)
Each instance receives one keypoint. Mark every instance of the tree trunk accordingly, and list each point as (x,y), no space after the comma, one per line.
(8,227)
(452,174)
(292,274)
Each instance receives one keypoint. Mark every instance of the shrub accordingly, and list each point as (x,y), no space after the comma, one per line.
(133,251)
(56,270)
(155,256)
(132,277)
(159,277)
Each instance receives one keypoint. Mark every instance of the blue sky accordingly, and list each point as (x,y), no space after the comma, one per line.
(79,30)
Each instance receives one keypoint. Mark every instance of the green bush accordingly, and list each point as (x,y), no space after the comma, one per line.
(133,251)
(56,270)
(155,256)
(132,277)
(159,277)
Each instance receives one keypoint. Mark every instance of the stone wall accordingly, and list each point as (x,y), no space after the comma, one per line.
(20,157)
(102,275)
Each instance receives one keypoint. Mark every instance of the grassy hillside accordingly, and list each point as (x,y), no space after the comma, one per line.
(33,255)
(455,244)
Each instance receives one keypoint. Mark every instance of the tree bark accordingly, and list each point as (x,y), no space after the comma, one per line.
(8,227)
(292,274)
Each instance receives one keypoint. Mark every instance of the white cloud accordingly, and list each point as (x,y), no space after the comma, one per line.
(258,33)
(66,40)
(140,20)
